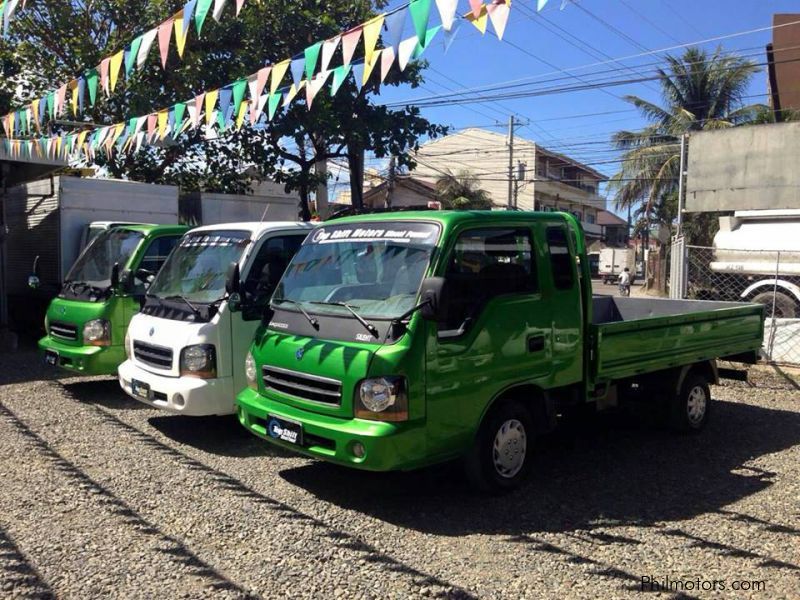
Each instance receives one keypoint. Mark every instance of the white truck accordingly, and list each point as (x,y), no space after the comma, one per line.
(186,348)
(613,261)
(757,256)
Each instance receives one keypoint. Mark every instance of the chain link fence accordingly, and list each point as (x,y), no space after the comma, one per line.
(767,277)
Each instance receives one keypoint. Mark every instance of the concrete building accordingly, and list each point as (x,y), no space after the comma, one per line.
(405,191)
(783,56)
(543,180)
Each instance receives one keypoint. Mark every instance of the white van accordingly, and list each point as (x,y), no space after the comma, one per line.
(186,348)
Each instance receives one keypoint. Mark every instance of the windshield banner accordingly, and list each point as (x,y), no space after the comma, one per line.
(402,233)
(214,239)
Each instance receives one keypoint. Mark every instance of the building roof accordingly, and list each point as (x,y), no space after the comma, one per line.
(419,186)
(605,217)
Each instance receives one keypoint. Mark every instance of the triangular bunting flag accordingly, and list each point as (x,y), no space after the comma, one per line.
(257,107)
(115,65)
(370,66)
(274,103)
(476,6)
(328,50)
(395,23)
(298,64)
(240,114)
(311,55)
(540,4)
(293,91)
(349,44)
(104,75)
(480,21)
(200,14)
(179,110)
(315,85)
(144,48)
(358,74)
(387,60)
(219,6)
(239,4)
(498,15)
(51,105)
(164,36)
(258,83)
(81,88)
(198,109)
(372,31)
(180,33)
(238,89)
(152,121)
(339,75)
(420,12)
(188,13)
(407,48)
(418,51)
(278,72)
(225,95)
(447,12)
(61,96)
(130,57)
(210,103)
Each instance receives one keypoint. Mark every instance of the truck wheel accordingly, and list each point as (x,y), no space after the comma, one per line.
(785,306)
(689,410)
(501,455)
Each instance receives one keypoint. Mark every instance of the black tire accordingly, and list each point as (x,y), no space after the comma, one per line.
(690,407)
(785,306)
(496,470)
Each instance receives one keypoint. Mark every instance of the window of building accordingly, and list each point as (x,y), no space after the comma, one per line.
(590,218)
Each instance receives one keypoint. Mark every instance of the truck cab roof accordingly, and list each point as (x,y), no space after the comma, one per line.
(256,228)
(148,228)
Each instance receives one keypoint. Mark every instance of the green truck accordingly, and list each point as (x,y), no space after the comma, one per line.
(86,324)
(399,341)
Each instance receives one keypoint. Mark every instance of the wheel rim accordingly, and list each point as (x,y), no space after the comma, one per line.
(509,449)
(696,404)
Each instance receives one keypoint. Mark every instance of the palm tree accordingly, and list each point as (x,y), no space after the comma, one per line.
(699,91)
(462,191)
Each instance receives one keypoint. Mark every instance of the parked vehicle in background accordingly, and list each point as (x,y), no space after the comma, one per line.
(186,349)
(756,257)
(398,341)
(86,323)
(613,261)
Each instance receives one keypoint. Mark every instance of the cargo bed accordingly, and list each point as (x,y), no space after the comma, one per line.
(631,336)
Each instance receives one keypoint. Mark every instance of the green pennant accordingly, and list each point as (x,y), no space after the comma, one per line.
(420,11)
(131,126)
(420,48)
(51,105)
(221,121)
(180,110)
(239,89)
(91,83)
(200,14)
(312,55)
(274,101)
(339,75)
(132,54)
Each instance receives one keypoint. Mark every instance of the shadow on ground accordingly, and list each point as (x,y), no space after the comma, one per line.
(103,392)
(606,473)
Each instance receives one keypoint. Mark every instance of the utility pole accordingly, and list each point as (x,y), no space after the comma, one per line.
(511,123)
(392,175)
(681,176)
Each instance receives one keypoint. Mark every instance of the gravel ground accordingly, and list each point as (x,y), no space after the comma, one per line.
(103,497)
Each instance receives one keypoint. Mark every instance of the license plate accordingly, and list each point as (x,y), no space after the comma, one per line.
(286,431)
(140,389)
(51,357)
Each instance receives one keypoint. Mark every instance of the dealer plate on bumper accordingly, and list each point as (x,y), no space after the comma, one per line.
(140,389)
(285,430)
(51,357)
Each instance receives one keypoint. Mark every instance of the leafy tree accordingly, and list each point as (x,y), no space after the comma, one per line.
(699,91)
(462,191)
(56,40)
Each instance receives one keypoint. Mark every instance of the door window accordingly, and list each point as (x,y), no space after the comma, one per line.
(486,263)
(155,256)
(561,262)
(266,271)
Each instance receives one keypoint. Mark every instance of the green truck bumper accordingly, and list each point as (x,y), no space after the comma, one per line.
(87,360)
(386,446)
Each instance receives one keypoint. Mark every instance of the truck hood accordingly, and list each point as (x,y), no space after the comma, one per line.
(156,341)
(65,319)
(299,370)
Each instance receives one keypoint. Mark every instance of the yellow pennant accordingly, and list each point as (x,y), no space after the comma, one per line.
(163,120)
(116,64)
(180,36)
(35,111)
(480,21)
(74,85)
(211,102)
(278,71)
(371,33)
(241,114)
(369,66)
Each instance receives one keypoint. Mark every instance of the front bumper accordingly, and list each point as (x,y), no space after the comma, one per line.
(87,360)
(388,446)
(189,396)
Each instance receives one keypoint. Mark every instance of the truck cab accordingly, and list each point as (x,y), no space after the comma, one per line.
(186,348)
(85,324)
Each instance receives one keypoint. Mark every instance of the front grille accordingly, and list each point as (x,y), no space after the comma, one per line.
(302,385)
(157,356)
(66,331)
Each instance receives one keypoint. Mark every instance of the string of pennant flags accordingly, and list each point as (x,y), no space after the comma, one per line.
(274,86)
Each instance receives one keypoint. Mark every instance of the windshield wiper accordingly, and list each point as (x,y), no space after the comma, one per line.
(367,325)
(194,309)
(410,312)
(314,322)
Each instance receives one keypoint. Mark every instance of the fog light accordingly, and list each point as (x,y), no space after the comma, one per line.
(178,400)
(358,450)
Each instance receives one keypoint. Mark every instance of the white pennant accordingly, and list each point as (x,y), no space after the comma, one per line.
(447,11)
(193,116)
(328,49)
(144,49)
(407,48)
(139,140)
(219,5)
(139,124)
(262,102)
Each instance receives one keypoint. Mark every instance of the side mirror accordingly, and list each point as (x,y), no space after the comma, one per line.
(115,276)
(432,295)
(33,279)
(232,282)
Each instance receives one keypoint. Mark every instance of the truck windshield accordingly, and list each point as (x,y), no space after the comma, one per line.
(93,266)
(196,269)
(376,269)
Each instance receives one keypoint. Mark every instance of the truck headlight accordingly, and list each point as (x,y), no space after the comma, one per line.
(128,352)
(250,370)
(97,332)
(199,361)
(382,399)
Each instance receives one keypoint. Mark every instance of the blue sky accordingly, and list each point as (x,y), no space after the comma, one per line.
(540,45)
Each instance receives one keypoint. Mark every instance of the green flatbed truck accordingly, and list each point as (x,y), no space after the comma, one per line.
(398,341)
(86,323)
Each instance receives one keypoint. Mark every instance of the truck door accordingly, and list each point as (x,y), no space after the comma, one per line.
(265,269)
(494,330)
